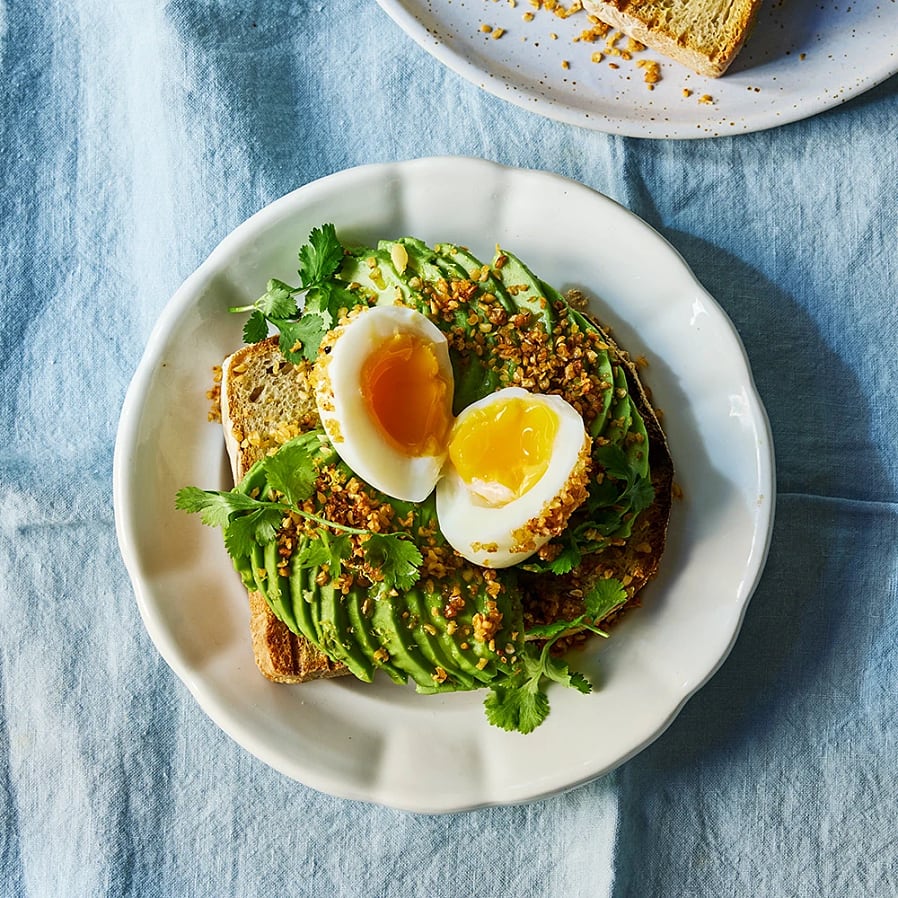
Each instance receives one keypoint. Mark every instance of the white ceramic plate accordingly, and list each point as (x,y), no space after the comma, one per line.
(803,56)
(380,742)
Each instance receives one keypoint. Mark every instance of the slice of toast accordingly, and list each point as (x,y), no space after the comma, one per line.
(266,401)
(705,35)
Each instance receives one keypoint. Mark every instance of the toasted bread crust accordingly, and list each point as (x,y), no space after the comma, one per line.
(704,35)
(280,654)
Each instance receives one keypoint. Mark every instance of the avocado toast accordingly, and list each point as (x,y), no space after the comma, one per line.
(343,578)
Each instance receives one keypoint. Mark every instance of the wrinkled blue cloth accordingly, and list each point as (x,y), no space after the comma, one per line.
(133,137)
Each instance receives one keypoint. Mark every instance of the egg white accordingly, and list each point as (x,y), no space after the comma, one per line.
(344,413)
(490,534)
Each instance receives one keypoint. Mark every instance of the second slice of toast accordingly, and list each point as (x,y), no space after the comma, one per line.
(705,35)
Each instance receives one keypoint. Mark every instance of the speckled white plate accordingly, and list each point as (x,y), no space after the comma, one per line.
(380,742)
(804,56)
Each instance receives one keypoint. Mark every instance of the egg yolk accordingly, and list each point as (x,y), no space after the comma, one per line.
(407,397)
(506,444)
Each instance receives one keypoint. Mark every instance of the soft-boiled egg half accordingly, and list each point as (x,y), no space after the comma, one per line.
(518,466)
(384,395)
(508,471)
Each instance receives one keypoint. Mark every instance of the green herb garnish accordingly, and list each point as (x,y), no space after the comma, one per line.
(302,330)
(519,703)
(291,474)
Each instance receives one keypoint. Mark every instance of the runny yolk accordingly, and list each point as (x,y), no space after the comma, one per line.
(507,444)
(407,397)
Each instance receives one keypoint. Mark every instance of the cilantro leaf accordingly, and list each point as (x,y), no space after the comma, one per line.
(603,597)
(278,300)
(320,258)
(300,339)
(557,669)
(245,520)
(397,559)
(614,460)
(290,476)
(301,332)
(214,507)
(519,705)
(313,553)
(340,549)
(518,702)
(566,560)
(317,302)
(259,526)
(555,629)
(256,328)
(580,683)
(292,470)
(600,600)
(325,550)
(641,494)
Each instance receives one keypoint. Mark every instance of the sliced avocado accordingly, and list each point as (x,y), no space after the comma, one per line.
(450,268)
(524,288)
(638,450)
(377,279)
(424,262)
(461,660)
(478,272)
(393,631)
(313,605)
(605,370)
(338,637)
(243,564)
(554,296)
(476,651)
(621,409)
(432,647)
(365,637)
(259,575)
(603,366)
(299,579)
(277,587)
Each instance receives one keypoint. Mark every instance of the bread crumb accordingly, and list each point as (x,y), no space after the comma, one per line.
(706,100)
(498,33)
(687,92)
(486,29)
(651,71)
(616,43)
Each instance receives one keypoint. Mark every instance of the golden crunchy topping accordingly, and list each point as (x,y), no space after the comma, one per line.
(552,520)
(488,623)
(213,394)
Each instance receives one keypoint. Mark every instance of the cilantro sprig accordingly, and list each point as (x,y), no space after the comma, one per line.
(519,703)
(290,475)
(301,330)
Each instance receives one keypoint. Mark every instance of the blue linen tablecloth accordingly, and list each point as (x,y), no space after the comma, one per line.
(133,137)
